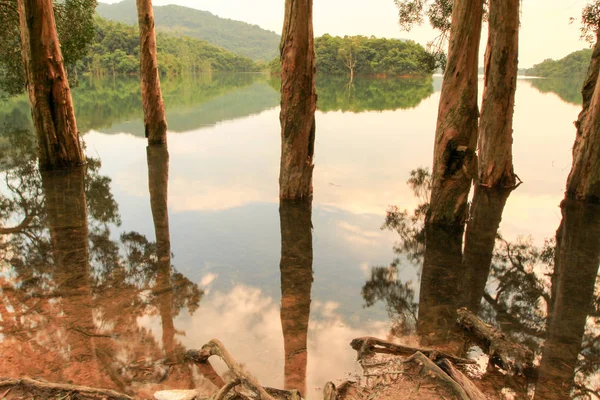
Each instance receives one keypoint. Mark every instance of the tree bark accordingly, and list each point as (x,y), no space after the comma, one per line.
(575,270)
(296,283)
(583,182)
(495,125)
(155,121)
(454,160)
(48,87)
(298,101)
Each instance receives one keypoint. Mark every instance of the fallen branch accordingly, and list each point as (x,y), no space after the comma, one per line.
(469,387)
(55,388)
(511,356)
(437,372)
(367,345)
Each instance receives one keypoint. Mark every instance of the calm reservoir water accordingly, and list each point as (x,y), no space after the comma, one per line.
(96,284)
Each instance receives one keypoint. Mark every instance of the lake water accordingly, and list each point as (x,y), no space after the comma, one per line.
(87,288)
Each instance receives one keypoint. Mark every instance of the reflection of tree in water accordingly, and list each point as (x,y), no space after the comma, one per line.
(70,296)
(568,89)
(545,297)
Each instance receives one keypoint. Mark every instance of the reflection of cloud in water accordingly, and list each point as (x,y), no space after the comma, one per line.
(249,324)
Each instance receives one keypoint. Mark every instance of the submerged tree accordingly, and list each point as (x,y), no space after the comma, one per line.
(155,121)
(48,87)
(298,101)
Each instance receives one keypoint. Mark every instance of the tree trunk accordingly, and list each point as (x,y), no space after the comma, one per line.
(158,182)
(48,87)
(454,160)
(495,126)
(155,121)
(480,239)
(296,282)
(298,101)
(575,270)
(584,180)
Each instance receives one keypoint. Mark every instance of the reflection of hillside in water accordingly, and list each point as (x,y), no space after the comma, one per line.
(543,297)
(568,89)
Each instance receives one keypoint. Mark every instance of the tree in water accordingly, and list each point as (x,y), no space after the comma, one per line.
(48,87)
(155,120)
(298,101)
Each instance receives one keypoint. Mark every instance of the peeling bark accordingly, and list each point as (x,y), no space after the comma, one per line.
(454,161)
(298,101)
(155,121)
(296,282)
(495,125)
(583,182)
(48,87)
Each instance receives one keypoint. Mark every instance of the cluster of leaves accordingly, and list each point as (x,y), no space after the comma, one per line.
(238,37)
(590,22)
(574,65)
(116,51)
(412,12)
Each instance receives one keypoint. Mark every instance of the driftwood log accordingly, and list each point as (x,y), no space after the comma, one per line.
(511,356)
(60,390)
(368,344)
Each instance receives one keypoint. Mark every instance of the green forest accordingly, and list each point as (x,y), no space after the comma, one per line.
(116,47)
(238,37)
(370,56)
(573,65)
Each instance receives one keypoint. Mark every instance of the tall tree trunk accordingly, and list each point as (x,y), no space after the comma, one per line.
(584,180)
(298,101)
(573,281)
(158,182)
(155,121)
(296,283)
(480,239)
(48,87)
(501,65)
(454,160)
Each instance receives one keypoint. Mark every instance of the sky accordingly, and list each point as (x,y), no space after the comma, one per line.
(545,28)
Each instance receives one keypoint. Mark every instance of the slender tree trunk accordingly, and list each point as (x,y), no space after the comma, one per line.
(296,282)
(573,281)
(454,160)
(155,121)
(480,239)
(158,182)
(495,125)
(48,87)
(584,180)
(298,101)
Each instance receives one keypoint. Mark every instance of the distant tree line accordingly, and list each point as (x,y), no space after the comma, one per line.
(575,64)
(361,55)
(116,48)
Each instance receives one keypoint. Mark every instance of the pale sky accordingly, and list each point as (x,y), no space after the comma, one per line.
(545,31)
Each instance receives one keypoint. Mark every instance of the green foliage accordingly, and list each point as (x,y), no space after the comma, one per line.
(116,51)
(372,56)
(238,37)
(574,65)
(75,26)
(590,21)
(568,89)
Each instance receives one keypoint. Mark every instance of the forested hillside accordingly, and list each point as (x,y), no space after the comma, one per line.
(116,51)
(360,55)
(238,37)
(573,65)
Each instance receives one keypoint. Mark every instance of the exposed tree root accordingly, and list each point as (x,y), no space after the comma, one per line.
(367,345)
(61,390)
(509,355)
